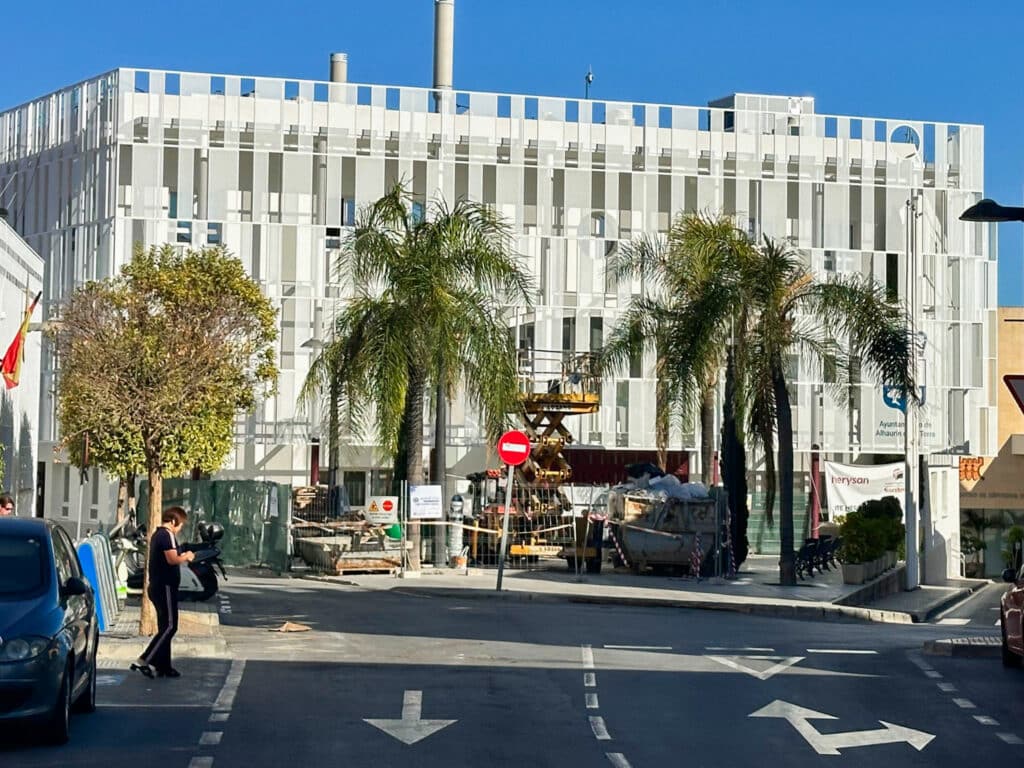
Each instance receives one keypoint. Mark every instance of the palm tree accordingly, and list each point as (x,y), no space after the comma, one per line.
(688,311)
(845,321)
(684,312)
(426,314)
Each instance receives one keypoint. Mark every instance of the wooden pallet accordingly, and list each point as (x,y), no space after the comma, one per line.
(345,566)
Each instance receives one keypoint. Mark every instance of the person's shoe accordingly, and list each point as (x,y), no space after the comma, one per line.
(169,672)
(143,667)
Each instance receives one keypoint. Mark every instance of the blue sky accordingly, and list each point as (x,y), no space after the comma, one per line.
(928,60)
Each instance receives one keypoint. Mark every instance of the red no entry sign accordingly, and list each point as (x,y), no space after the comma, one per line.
(514,447)
(388,506)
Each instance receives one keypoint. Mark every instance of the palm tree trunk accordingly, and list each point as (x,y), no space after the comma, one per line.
(414,456)
(147,616)
(661,416)
(734,465)
(707,434)
(787,564)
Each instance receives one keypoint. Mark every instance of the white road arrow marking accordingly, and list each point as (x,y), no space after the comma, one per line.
(411,728)
(831,743)
(782,662)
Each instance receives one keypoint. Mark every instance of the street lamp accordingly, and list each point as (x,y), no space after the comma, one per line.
(911,435)
(989,210)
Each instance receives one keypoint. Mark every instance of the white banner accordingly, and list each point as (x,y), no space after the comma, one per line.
(425,502)
(850,485)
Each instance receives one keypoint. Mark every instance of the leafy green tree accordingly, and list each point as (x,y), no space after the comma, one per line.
(156,362)
(429,290)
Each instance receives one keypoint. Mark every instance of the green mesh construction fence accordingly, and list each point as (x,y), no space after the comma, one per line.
(256,516)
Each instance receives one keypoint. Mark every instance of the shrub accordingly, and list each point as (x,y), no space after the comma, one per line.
(872,529)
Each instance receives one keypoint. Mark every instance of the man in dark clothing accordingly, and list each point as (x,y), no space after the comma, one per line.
(164,579)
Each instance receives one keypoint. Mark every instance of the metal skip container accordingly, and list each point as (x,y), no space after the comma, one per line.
(653,531)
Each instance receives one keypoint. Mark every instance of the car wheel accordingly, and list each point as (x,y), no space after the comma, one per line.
(58,725)
(1010,659)
(87,699)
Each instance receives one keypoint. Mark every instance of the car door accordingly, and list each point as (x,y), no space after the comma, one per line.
(77,608)
(1014,613)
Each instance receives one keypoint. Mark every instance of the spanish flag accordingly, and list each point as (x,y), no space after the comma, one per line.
(11,368)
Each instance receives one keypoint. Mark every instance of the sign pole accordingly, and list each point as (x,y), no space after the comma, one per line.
(504,524)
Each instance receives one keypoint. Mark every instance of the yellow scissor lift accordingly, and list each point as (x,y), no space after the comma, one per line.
(553,385)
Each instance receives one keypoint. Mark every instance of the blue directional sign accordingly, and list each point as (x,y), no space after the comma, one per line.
(896,398)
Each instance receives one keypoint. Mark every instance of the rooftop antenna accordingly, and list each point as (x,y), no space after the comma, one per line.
(588,79)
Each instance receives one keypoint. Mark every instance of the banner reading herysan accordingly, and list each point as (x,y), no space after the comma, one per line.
(850,485)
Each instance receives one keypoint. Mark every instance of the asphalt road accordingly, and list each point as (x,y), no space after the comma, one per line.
(979,611)
(475,683)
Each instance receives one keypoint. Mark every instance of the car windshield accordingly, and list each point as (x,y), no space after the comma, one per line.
(22,565)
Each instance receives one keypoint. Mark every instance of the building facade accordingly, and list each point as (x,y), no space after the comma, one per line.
(276,169)
(21,279)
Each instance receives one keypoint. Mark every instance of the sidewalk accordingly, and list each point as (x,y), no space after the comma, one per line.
(756,591)
(199,634)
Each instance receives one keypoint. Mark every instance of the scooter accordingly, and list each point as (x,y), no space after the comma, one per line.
(199,577)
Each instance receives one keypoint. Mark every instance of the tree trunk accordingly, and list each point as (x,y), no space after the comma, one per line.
(334,449)
(147,620)
(707,434)
(438,466)
(122,498)
(734,465)
(414,458)
(787,564)
(661,415)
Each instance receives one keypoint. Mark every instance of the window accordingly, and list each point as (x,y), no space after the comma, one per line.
(596,334)
(213,234)
(380,482)
(418,212)
(172,204)
(184,232)
(569,334)
(355,488)
(892,276)
(172,84)
(24,566)
(348,212)
(636,362)
(61,558)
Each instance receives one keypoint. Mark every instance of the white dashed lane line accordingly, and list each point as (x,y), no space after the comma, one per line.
(1010,738)
(599,728)
(964,703)
(210,738)
(986,720)
(947,687)
(589,680)
(618,759)
(201,762)
(591,700)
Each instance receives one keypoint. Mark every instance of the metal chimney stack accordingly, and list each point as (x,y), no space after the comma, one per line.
(444,42)
(339,67)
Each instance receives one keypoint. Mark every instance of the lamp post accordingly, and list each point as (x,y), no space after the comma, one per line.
(911,449)
(988,210)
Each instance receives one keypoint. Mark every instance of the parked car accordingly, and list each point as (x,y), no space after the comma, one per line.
(48,628)
(1010,612)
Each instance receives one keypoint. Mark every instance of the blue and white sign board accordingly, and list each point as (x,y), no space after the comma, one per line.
(426,502)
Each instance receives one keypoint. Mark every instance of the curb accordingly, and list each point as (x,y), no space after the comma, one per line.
(965,647)
(961,594)
(127,650)
(818,611)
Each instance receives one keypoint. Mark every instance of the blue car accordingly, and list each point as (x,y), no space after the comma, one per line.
(48,628)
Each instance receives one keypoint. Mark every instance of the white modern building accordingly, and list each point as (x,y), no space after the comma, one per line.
(21,279)
(275,169)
